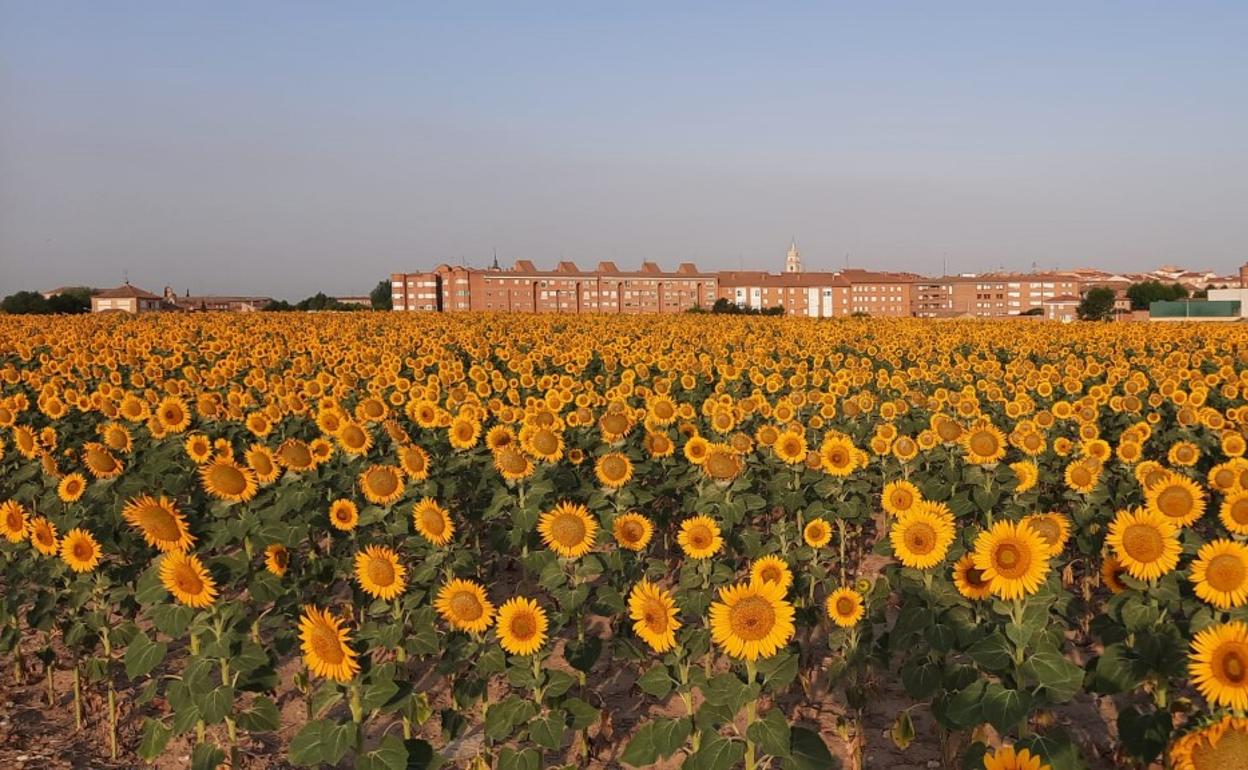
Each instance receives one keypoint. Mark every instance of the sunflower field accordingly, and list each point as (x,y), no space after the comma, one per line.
(393,541)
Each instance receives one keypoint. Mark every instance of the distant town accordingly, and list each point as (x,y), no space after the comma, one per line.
(1167,293)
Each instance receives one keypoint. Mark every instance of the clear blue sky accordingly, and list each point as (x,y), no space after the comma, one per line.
(284,147)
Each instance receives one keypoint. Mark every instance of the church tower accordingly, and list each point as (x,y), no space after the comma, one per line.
(793,262)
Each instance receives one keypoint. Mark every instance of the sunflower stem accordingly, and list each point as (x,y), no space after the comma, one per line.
(751,712)
(77,697)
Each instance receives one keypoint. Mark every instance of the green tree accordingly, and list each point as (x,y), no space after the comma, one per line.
(24,303)
(380,296)
(1097,305)
(1145,293)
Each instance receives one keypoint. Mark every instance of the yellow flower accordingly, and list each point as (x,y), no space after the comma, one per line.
(653,611)
(13,521)
(276,559)
(464,433)
(521,626)
(921,537)
(1082,475)
(900,497)
(184,576)
(568,529)
(1234,512)
(1146,543)
(159,521)
(414,461)
(173,414)
(1006,758)
(838,455)
(1178,498)
(845,607)
(43,536)
(970,580)
(817,533)
(226,480)
(983,444)
(326,645)
(771,569)
(80,550)
(613,470)
(752,620)
(632,531)
(71,488)
(1220,745)
(379,573)
(433,522)
(1053,529)
(1218,664)
(381,484)
(343,515)
(790,447)
(1027,473)
(1112,571)
(699,537)
(464,605)
(1013,559)
(198,448)
(1220,573)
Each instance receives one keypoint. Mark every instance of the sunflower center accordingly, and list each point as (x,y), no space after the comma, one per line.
(752,618)
(1233,663)
(545,442)
(325,644)
(631,531)
(229,480)
(1224,478)
(975,577)
(383,482)
(1175,502)
(984,444)
(1081,476)
(433,521)
(1227,753)
(463,431)
(613,468)
(465,606)
(342,513)
(1143,542)
(159,523)
(297,455)
(188,582)
(381,572)
(844,606)
(838,458)
(415,461)
(353,437)
(83,550)
(1226,572)
(721,465)
(656,618)
(920,537)
(1008,557)
(614,423)
(1239,511)
(100,460)
(771,574)
(700,537)
(13,520)
(567,530)
(523,626)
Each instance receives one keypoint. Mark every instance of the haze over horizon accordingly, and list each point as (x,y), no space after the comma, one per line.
(284,148)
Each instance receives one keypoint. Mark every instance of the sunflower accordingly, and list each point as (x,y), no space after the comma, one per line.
(771,569)
(379,573)
(80,550)
(921,537)
(817,533)
(722,463)
(13,521)
(1013,558)
(696,449)
(1218,664)
(568,529)
(1178,498)
(262,462)
(343,515)
(1027,474)
(1234,512)
(653,610)
(838,455)
(381,484)
(543,443)
(1053,529)
(1221,745)
(464,433)
(100,462)
(43,536)
(845,607)
(355,439)
(1183,453)
(632,531)
(464,605)
(1146,542)
(173,414)
(790,447)
(226,480)
(184,576)
(325,642)
(983,444)
(899,497)
(414,461)
(751,620)
(1112,571)
(1082,475)
(161,524)
(198,448)
(969,580)
(295,455)
(658,445)
(613,470)
(512,464)
(1006,758)
(521,626)
(1220,573)
(276,559)
(699,537)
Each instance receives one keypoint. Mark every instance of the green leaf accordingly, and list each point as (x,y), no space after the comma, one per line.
(727,690)
(172,619)
(150,589)
(583,714)
(656,681)
(390,754)
(965,707)
(558,683)
(584,654)
(547,732)
(1005,708)
(778,672)
(155,737)
(262,716)
(1144,734)
(992,653)
(321,742)
(143,655)
(206,756)
(378,694)
(921,681)
(656,740)
(771,734)
(527,759)
(716,753)
(1053,671)
(501,720)
(216,704)
(1056,749)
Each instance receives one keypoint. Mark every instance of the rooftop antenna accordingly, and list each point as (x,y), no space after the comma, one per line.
(945,262)
(125,276)
(495,265)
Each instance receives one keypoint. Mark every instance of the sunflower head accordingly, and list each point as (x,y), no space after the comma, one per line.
(159,521)
(632,531)
(464,605)
(1176,497)
(379,573)
(432,521)
(1220,573)
(276,559)
(226,480)
(1219,745)
(653,611)
(343,515)
(186,579)
(699,537)
(80,550)
(921,537)
(43,536)
(13,521)
(568,529)
(1218,664)
(970,580)
(899,497)
(845,607)
(771,569)
(521,626)
(1145,542)
(1013,558)
(326,645)
(613,470)
(817,533)
(381,484)
(751,620)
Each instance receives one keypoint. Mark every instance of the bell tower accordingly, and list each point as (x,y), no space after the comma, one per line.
(793,262)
